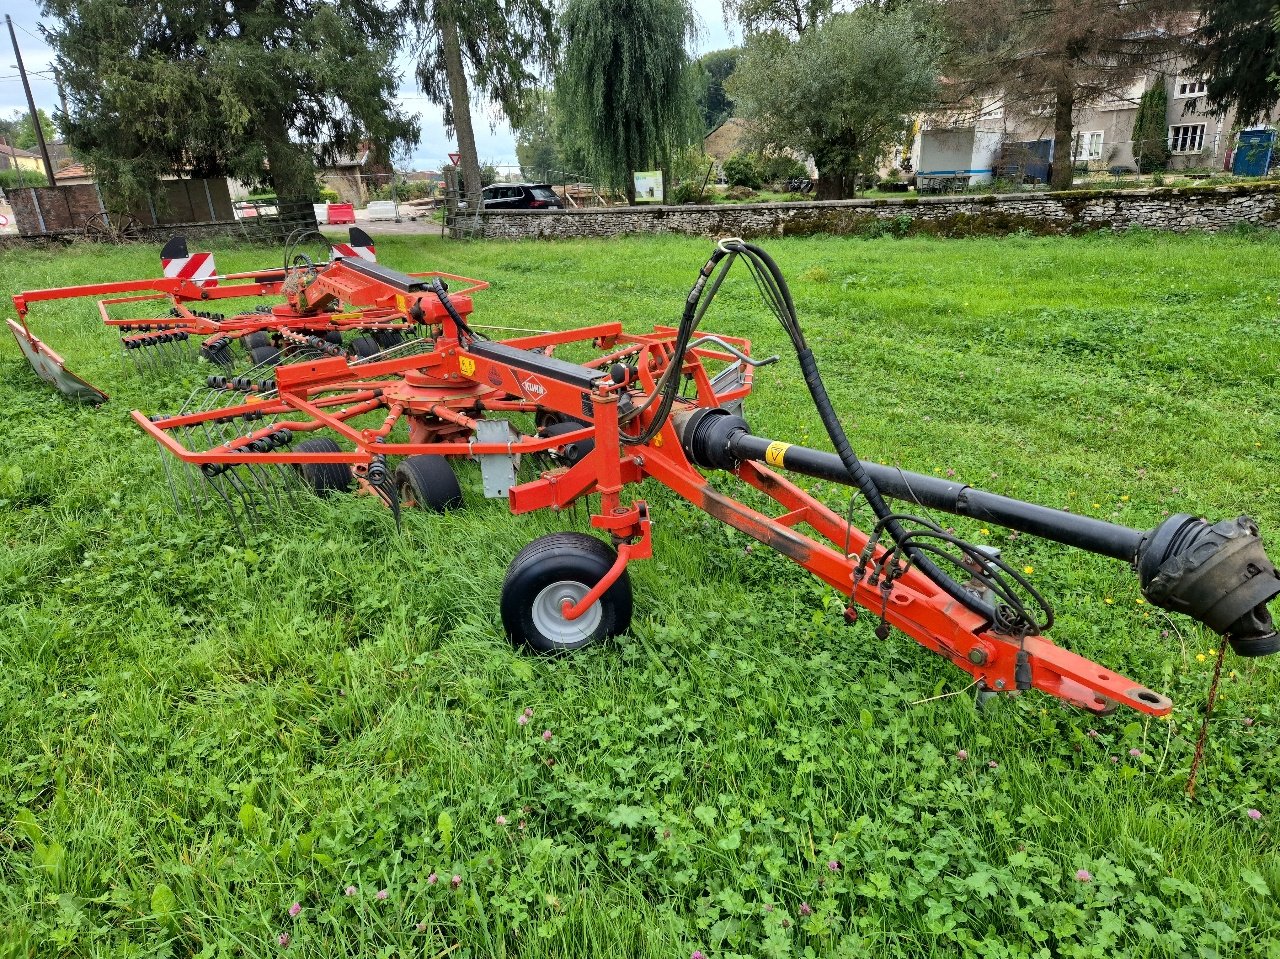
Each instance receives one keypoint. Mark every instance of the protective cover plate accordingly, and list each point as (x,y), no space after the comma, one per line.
(51,368)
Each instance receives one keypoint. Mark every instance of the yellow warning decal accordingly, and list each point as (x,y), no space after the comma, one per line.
(401,303)
(774,453)
(467,365)
(345,316)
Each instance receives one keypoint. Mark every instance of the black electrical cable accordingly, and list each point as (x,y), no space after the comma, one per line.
(441,291)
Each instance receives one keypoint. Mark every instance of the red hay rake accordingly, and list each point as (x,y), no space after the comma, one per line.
(252,340)
(666,405)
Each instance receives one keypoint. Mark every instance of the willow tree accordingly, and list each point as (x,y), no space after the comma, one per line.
(625,88)
(217,87)
(491,50)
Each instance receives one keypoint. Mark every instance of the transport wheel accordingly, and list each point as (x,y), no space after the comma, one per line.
(386,339)
(255,340)
(428,482)
(573,452)
(551,570)
(334,337)
(264,355)
(363,346)
(323,478)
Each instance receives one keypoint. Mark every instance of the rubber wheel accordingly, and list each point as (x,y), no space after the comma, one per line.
(429,483)
(334,337)
(255,340)
(551,569)
(386,339)
(323,478)
(575,452)
(363,346)
(264,355)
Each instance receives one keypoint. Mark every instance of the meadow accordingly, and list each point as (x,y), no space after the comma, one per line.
(308,741)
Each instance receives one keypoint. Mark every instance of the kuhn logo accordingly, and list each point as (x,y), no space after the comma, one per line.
(533,388)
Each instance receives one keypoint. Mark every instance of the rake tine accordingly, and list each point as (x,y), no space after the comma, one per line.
(216,483)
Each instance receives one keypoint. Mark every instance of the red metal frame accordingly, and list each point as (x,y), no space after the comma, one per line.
(443,393)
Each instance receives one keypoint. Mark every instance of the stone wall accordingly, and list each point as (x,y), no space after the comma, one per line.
(1185,208)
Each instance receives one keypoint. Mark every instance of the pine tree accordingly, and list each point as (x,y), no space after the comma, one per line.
(224,87)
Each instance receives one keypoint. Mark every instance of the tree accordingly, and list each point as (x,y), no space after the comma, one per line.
(789,17)
(843,92)
(538,137)
(1063,54)
(625,89)
(716,68)
(1239,54)
(24,134)
(215,87)
(497,48)
(1150,129)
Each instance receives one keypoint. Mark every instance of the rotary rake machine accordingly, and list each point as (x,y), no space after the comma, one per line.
(252,340)
(667,405)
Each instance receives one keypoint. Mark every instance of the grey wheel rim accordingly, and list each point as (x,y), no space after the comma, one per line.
(550,622)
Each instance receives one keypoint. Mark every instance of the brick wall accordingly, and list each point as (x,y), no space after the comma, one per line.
(1178,209)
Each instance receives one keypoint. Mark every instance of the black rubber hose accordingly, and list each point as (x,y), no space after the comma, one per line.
(840,440)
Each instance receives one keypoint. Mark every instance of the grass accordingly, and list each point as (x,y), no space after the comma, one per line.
(201,731)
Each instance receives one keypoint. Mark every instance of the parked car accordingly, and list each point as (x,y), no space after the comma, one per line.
(520,196)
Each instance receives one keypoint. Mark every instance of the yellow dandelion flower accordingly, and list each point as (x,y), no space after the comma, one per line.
(1213,652)
(1097,506)
(1028,570)
(1199,657)
(1124,499)
(1139,600)
(1108,601)
(985,532)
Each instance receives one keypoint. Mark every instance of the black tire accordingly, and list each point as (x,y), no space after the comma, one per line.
(386,339)
(255,340)
(429,482)
(554,568)
(323,478)
(364,346)
(334,337)
(264,356)
(572,453)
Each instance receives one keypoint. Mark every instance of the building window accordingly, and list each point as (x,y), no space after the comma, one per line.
(1089,145)
(1189,88)
(1187,139)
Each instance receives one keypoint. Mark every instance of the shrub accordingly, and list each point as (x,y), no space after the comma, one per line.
(738,193)
(743,170)
(329,196)
(686,192)
(13,179)
(781,168)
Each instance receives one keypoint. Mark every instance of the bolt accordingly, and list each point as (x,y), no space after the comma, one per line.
(978,656)
(999,684)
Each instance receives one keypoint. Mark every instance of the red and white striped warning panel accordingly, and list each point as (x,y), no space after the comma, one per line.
(179,264)
(352,251)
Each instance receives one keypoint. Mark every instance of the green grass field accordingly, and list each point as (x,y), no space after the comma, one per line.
(201,731)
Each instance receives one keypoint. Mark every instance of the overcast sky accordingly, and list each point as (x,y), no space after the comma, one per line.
(496,145)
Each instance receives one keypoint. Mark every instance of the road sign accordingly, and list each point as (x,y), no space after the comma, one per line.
(455,158)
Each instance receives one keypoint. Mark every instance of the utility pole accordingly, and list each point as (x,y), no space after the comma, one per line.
(31,104)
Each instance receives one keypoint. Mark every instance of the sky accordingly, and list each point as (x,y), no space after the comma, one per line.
(494,139)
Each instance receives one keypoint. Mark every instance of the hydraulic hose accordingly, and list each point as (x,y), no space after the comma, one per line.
(780,298)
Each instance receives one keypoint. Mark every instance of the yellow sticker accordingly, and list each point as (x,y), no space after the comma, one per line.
(345,316)
(467,365)
(401,303)
(774,453)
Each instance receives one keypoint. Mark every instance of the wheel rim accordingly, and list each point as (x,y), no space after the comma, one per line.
(550,621)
